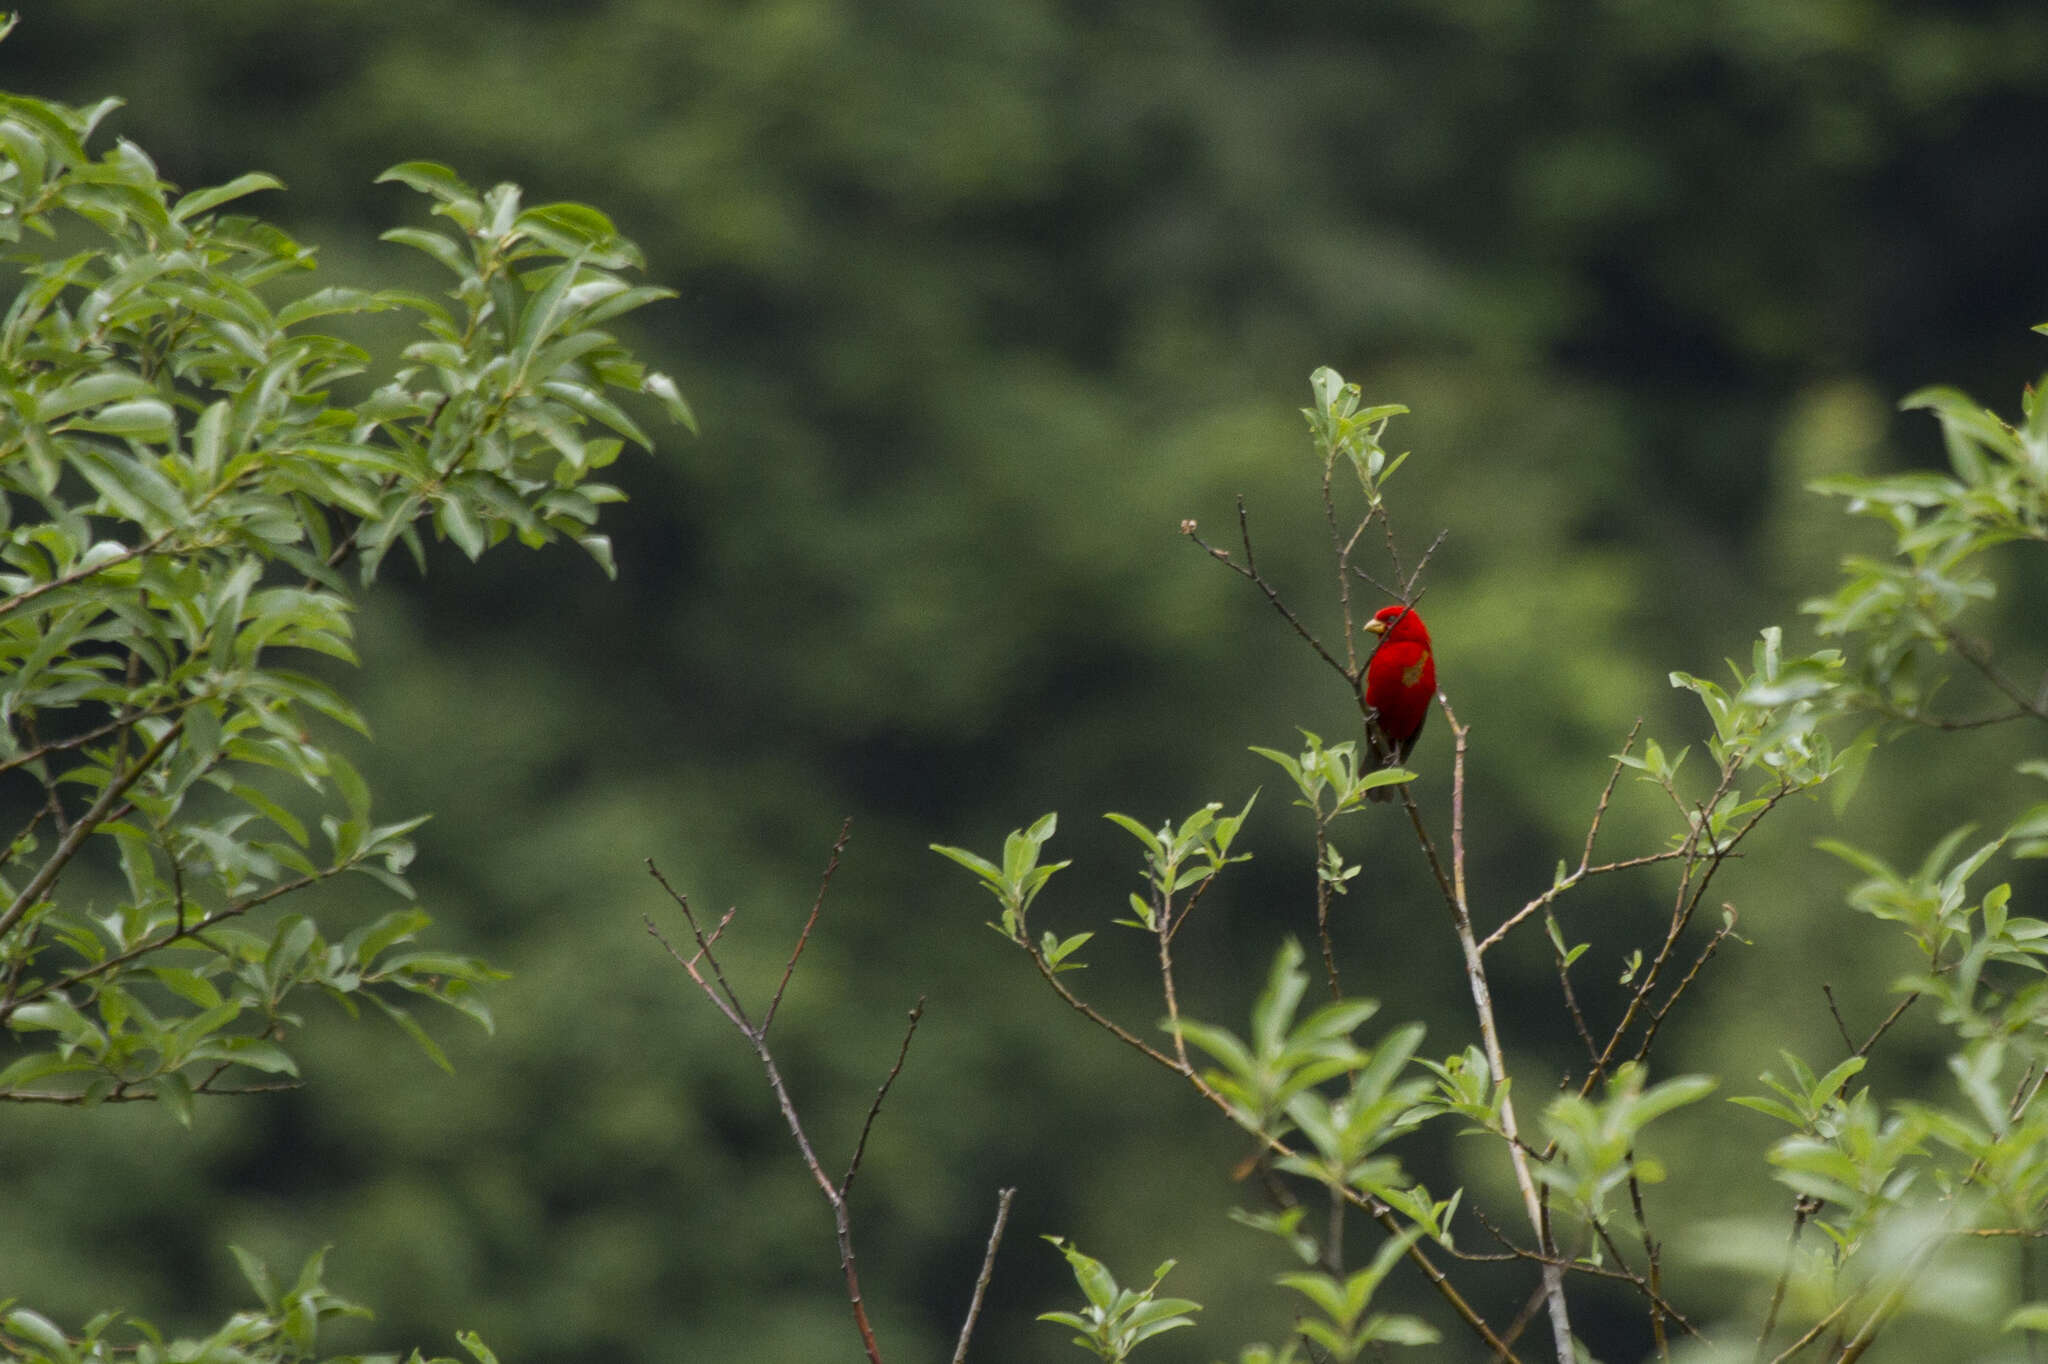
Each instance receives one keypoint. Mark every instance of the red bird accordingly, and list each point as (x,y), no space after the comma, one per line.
(1400,683)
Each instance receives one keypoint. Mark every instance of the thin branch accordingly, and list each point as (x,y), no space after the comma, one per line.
(113,726)
(1408,583)
(1201,888)
(1163,919)
(803,938)
(1898,1011)
(1607,791)
(1586,870)
(1249,570)
(1323,897)
(122,1095)
(727,1002)
(1942,722)
(1840,1027)
(1685,903)
(78,575)
(1572,879)
(1340,549)
(1979,658)
(860,1147)
(1117,1030)
(1394,550)
(729,1005)
(1653,1274)
(68,847)
(1819,1329)
(1706,955)
(1489,1032)
(842,1220)
(1571,998)
(988,1269)
(1803,1208)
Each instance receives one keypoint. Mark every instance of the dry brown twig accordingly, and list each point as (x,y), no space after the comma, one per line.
(708,975)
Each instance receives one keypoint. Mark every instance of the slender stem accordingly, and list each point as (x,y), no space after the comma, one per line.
(803,938)
(860,1147)
(1818,1329)
(1898,1011)
(1980,658)
(728,1003)
(1323,907)
(1249,570)
(1802,1209)
(988,1269)
(1164,920)
(1489,1036)
(1653,1261)
(78,575)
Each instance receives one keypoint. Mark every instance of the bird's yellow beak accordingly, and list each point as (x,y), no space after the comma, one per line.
(1376,626)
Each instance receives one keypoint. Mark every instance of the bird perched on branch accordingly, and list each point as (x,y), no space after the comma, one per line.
(1400,683)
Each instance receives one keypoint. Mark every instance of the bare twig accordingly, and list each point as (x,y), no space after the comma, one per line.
(1428,553)
(1586,870)
(988,1268)
(1117,1030)
(1840,1026)
(860,1147)
(728,1003)
(1818,1329)
(1898,1011)
(1249,570)
(1706,955)
(803,938)
(705,972)
(1979,657)
(1803,1208)
(1653,1273)
(1340,550)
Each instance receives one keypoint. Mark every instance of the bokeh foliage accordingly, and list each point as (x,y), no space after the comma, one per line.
(977,303)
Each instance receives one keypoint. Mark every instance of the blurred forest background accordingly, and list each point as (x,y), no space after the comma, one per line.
(978,302)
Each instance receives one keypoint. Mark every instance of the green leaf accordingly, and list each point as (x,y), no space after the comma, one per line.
(664,390)
(433,244)
(429,177)
(201,200)
(143,418)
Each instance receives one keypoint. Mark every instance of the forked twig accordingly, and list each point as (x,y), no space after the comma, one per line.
(1249,570)
(704,970)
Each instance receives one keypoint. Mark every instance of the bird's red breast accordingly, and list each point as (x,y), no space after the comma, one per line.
(1400,681)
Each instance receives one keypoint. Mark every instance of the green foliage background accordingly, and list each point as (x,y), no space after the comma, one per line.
(978,301)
